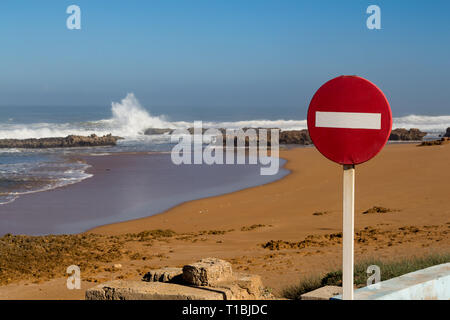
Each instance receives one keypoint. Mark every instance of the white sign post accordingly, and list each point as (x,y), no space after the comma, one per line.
(348,231)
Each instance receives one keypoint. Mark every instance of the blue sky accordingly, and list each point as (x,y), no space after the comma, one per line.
(222,56)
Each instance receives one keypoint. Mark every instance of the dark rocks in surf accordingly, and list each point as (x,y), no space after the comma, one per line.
(258,137)
(295,137)
(67,142)
(447,134)
(156,131)
(407,135)
(300,137)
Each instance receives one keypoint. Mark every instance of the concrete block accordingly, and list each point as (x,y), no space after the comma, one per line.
(324,293)
(140,290)
(207,271)
(427,284)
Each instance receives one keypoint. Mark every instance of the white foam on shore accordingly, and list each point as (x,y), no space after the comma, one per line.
(48,177)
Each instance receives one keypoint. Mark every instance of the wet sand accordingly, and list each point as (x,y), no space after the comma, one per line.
(411,181)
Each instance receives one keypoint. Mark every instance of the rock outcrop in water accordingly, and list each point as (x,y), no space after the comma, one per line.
(155,131)
(67,142)
(407,135)
(447,134)
(295,137)
(300,137)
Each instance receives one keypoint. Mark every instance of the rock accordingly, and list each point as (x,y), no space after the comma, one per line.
(295,137)
(243,287)
(67,142)
(378,209)
(439,142)
(192,129)
(155,131)
(238,287)
(300,137)
(213,280)
(252,283)
(407,135)
(207,271)
(164,275)
(447,134)
(117,266)
(248,139)
(141,290)
(324,293)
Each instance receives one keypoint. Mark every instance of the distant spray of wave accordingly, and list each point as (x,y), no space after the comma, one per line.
(130,120)
(424,123)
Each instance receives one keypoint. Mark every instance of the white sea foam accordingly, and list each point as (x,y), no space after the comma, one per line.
(424,123)
(130,120)
(28,178)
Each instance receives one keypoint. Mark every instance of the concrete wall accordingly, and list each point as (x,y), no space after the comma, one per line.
(427,284)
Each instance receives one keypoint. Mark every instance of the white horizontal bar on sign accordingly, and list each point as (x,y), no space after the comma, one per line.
(348,120)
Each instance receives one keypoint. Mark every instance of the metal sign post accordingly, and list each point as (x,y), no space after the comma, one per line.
(348,231)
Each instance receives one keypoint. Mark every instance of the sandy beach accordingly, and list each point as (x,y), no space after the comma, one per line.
(265,229)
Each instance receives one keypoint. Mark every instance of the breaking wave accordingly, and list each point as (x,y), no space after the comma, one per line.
(129,119)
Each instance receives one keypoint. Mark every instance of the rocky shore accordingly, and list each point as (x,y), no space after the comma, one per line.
(301,137)
(67,142)
(407,135)
(293,137)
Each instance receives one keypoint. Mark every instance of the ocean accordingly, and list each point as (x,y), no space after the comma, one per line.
(29,171)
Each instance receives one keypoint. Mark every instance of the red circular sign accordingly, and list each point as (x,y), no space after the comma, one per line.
(349,120)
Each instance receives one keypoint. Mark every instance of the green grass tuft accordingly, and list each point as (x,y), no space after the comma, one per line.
(306,285)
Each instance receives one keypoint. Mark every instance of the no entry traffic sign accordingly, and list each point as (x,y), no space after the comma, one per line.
(349,120)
